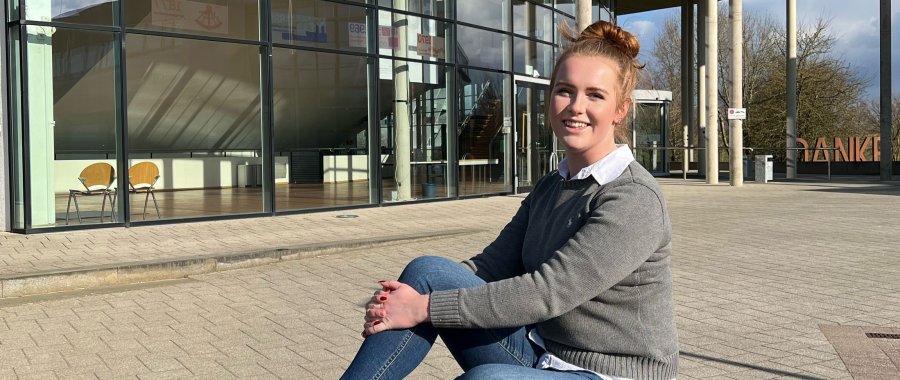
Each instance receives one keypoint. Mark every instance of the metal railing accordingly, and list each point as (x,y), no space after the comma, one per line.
(750,149)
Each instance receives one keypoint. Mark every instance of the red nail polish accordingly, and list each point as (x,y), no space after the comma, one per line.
(376,323)
(383,298)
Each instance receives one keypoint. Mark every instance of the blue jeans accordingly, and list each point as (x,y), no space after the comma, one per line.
(482,353)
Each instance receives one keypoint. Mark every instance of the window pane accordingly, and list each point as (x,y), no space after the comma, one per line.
(487,13)
(71,78)
(425,38)
(219,18)
(484,103)
(482,48)
(566,6)
(413,123)
(194,111)
(321,129)
(434,8)
(100,12)
(16,167)
(319,24)
(532,20)
(533,58)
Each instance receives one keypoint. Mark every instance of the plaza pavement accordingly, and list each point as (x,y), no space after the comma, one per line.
(778,280)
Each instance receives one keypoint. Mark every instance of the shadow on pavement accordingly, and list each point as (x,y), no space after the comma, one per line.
(751,366)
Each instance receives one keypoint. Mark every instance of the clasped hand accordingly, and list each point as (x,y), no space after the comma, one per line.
(395,306)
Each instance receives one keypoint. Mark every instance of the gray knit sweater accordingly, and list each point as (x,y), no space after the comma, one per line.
(589,266)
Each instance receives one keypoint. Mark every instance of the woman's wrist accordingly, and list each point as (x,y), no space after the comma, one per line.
(426,308)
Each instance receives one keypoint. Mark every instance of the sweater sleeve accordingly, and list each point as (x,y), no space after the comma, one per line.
(503,257)
(620,234)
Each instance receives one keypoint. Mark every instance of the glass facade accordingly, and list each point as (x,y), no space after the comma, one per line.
(128,112)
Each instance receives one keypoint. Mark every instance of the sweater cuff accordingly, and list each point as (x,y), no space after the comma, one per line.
(444,309)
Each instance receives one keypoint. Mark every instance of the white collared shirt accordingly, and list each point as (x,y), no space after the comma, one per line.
(605,170)
(548,360)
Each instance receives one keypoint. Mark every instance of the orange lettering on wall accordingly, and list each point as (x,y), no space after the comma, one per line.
(805,146)
(840,153)
(820,143)
(861,147)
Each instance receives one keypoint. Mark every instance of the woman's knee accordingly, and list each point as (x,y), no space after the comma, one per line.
(430,273)
(421,269)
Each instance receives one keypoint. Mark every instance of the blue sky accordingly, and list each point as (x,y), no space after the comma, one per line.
(855,28)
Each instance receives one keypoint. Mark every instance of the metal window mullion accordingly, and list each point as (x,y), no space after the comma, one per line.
(123,196)
(376,189)
(26,151)
(267,90)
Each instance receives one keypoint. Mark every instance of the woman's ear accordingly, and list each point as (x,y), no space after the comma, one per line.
(623,110)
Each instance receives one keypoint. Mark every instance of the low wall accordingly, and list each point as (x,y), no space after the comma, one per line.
(174,173)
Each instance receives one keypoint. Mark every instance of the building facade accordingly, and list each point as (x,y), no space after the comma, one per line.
(249,108)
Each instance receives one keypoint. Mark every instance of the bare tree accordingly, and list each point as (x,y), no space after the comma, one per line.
(829,92)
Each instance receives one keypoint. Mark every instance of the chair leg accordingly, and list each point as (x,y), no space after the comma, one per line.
(156,205)
(102,207)
(68,207)
(77,210)
(146,198)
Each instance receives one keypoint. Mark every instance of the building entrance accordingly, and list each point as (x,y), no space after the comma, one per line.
(536,148)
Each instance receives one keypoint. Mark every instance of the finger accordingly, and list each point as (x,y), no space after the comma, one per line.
(376,313)
(392,285)
(383,288)
(375,327)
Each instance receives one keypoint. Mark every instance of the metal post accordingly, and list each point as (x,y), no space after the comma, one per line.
(712,92)
(736,155)
(885,89)
(687,79)
(791,122)
(701,84)
(583,14)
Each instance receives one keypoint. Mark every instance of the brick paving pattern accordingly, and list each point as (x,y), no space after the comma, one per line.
(771,281)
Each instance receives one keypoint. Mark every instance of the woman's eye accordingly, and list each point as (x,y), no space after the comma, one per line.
(596,96)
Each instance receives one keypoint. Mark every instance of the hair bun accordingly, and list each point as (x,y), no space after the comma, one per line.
(608,33)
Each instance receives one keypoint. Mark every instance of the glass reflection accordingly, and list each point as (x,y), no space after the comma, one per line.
(318,23)
(532,20)
(533,58)
(99,12)
(194,111)
(321,129)
(486,13)
(483,139)
(413,123)
(71,78)
(218,18)
(482,48)
(425,38)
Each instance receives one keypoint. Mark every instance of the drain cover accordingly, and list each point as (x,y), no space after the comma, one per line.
(883,336)
(347,216)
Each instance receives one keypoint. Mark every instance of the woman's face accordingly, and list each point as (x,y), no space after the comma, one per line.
(584,106)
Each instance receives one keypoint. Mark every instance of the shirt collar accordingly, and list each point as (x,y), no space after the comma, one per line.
(605,170)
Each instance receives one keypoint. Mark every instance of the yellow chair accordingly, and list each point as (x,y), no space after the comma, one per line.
(96,179)
(142,177)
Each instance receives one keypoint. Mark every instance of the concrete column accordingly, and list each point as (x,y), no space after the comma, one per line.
(736,151)
(402,144)
(701,85)
(885,89)
(583,14)
(712,91)
(791,122)
(687,80)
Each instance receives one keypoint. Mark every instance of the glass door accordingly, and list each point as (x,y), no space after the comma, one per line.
(535,145)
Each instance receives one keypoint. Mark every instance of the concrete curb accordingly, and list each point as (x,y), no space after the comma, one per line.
(38,283)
